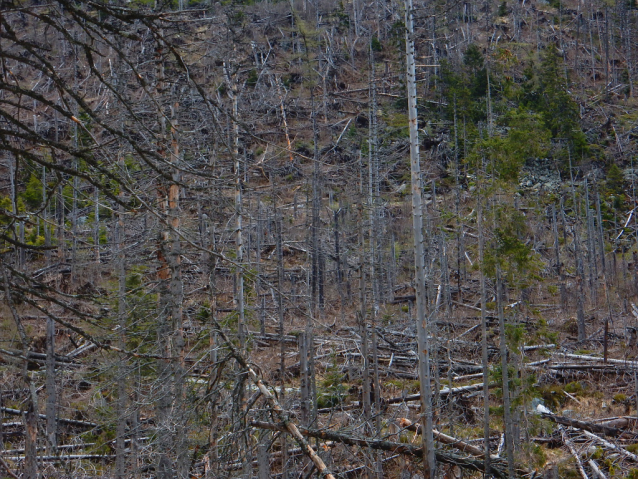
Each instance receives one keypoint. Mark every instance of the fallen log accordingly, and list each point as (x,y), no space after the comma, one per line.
(403,299)
(469,463)
(70,422)
(356,471)
(622,451)
(81,350)
(409,398)
(447,440)
(621,362)
(64,447)
(587,426)
(237,466)
(621,422)
(69,457)
(37,356)
(441,392)
(584,367)
(33,358)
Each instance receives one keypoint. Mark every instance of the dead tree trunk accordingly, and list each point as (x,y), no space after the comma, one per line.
(507,411)
(120,446)
(52,397)
(419,251)
(484,345)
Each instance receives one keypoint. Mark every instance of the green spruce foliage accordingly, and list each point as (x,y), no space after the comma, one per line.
(504,154)
(545,90)
(33,192)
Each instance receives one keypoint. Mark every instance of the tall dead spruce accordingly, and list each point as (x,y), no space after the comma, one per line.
(419,250)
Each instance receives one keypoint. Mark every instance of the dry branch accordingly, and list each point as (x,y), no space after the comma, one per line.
(613,447)
(596,469)
(287,425)
(573,452)
(8,469)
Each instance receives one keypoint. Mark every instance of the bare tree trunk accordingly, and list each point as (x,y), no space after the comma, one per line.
(31,417)
(375,251)
(559,269)
(45,216)
(342,299)
(305,378)
(601,237)
(177,295)
(580,293)
(170,403)
(30,448)
(484,345)
(261,296)
(120,446)
(316,293)
(282,342)
(239,244)
(591,248)
(363,320)
(52,397)
(96,226)
(263,460)
(419,251)
(507,406)
(13,179)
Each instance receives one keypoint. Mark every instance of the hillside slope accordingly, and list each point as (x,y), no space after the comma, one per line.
(193,191)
